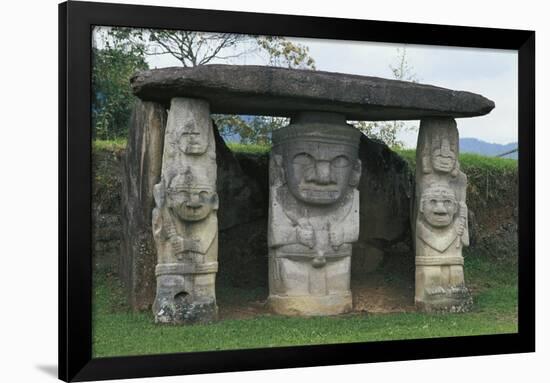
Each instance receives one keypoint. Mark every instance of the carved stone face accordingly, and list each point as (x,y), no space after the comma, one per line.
(189,125)
(443,160)
(191,139)
(439,206)
(318,172)
(191,204)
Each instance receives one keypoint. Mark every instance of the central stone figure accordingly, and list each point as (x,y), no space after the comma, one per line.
(313,214)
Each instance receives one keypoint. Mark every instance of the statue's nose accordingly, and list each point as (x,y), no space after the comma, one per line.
(322,170)
(194,201)
(440,208)
(193,137)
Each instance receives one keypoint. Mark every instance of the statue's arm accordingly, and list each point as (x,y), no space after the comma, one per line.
(281,230)
(465,236)
(205,238)
(347,230)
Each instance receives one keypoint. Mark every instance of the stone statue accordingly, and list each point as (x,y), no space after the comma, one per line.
(313,214)
(185,226)
(441,219)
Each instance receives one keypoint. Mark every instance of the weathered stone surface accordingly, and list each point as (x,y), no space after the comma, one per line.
(241,200)
(265,90)
(184,221)
(141,171)
(441,219)
(313,215)
(386,188)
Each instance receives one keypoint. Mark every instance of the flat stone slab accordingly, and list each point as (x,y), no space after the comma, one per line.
(262,90)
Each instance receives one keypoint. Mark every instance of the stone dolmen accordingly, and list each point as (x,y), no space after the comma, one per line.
(314,173)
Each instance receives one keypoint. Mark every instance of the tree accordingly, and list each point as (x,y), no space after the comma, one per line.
(112,98)
(200,48)
(189,48)
(387,131)
(284,53)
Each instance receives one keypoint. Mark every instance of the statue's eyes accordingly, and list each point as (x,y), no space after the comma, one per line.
(203,195)
(433,201)
(448,203)
(340,162)
(303,159)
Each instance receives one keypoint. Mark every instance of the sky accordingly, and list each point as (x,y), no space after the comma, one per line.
(489,72)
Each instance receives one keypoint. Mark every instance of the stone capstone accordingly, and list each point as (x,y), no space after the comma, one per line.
(262,90)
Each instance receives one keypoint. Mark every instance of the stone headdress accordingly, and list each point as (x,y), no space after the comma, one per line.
(439,135)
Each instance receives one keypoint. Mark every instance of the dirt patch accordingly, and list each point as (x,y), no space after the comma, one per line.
(244,310)
(376,294)
(390,289)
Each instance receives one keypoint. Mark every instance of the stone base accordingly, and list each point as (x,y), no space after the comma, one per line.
(440,285)
(310,305)
(455,299)
(184,313)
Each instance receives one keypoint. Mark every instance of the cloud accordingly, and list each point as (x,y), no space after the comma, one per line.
(489,72)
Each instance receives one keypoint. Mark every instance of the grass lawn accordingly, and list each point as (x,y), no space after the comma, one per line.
(118,331)
(469,161)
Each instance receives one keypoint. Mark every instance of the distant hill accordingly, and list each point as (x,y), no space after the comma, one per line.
(473,145)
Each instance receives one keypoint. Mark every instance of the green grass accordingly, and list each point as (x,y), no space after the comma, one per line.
(118,331)
(249,148)
(469,161)
(110,145)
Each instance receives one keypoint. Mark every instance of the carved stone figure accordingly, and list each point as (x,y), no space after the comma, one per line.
(441,219)
(185,225)
(313,214)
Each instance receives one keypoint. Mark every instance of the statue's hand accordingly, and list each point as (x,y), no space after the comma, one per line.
(177,244)
(191,244)
(336,239)
(306,235)
(460,227)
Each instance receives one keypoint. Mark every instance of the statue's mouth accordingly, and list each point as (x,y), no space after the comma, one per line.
(445,164)
(320,193)
(440,218)
(194,148)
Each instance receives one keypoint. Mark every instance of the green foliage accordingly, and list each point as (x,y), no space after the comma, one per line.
(118,331)
(114,145)
(255,130)
(385,131)
(283,53)
(200,48)
(112,97)
(249,148)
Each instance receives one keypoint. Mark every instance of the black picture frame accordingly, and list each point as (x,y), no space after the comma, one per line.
(76,20)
